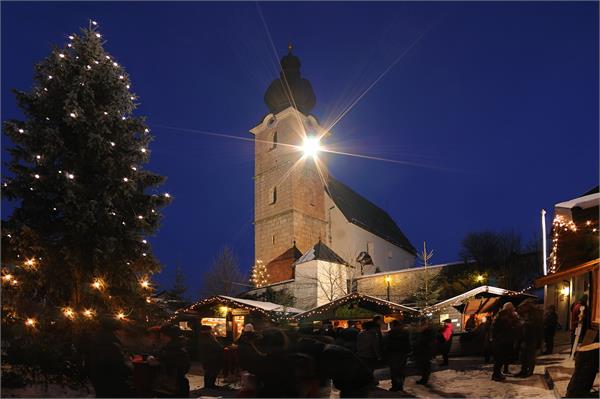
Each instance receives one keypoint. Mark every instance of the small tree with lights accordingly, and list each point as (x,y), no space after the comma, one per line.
(259,276)
(74,249)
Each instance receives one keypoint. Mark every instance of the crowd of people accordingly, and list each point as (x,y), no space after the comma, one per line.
(302,362)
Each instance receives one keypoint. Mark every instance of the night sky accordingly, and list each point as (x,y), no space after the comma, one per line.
(498,100)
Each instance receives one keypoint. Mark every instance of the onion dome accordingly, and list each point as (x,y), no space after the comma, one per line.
(290,89)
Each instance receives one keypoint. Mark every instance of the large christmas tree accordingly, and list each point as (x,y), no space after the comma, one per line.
(75,248)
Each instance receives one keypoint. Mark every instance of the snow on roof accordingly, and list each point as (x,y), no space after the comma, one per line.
(587,201)
(457,300)
(352,296)
(267,306)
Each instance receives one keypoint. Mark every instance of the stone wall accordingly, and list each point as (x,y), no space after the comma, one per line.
(297,214)
(402,285)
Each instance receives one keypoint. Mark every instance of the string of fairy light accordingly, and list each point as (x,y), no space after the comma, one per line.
(260,275)
(561,225)
(32,263)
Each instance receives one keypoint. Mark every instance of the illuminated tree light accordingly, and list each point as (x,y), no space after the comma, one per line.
(94,23)
(120,315)
(38,157)
(21,131)
(167,195)
(112,143)
(30,322)
(36,176)
(49,76)
(71,37)
(145,283)
(61,55)
(98,35)
(143,150)
(121,77)
(133,168)
(73,115)
(144,242)
(68,313)
(70,176)
(140,217)
(98,284)
(88,313)
(7,277)
(125,179)
(30,263)
(14,282)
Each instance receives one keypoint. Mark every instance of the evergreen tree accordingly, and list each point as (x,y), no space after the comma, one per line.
(260,275)
(74,249)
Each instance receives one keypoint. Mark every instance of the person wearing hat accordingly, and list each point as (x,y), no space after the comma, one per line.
(174,363)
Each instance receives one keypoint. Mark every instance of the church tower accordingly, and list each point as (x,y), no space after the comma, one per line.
(289,192)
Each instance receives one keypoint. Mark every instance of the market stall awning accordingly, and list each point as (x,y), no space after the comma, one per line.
(460,301)
(568,273)
(354,306)
(266,308)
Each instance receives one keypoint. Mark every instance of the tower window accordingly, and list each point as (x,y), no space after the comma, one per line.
(274,141)
(272,195)
(273,240)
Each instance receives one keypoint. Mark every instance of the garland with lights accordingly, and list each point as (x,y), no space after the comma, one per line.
(260,276)
(561,225)
(75,247)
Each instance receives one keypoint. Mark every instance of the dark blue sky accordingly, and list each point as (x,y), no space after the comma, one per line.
(501,98)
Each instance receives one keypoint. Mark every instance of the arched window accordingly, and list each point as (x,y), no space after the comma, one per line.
(272,195)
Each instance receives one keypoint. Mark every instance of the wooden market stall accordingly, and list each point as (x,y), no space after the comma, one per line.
(478,303)
(228,315)
(357,307)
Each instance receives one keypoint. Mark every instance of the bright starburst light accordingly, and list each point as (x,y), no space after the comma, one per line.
(311,146)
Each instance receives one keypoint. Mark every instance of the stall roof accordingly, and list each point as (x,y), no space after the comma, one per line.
(267,308)
(484,289)
(378,303)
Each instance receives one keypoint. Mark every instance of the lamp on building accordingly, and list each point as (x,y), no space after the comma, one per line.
(388,280)
(565,290)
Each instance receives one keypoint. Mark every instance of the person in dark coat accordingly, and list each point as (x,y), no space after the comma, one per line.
(586,369)
(210,353)
(531,337)
(247,351)
(109,372)
(485,329)
(550,326)
(397,347)
(347,337)
(174,362)
(504,331)
(279,371)
(348,373)
(424,351)
(368,346)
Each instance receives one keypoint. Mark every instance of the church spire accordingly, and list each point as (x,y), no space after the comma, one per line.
(290,89)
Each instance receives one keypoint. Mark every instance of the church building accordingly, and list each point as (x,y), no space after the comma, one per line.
(300,209)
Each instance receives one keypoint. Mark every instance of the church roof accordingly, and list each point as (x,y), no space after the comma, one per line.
(320,252)
(280,268)
(363,213)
